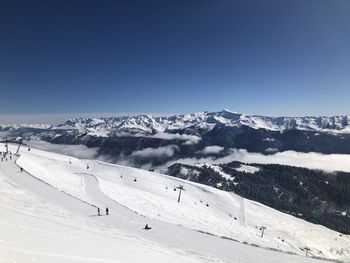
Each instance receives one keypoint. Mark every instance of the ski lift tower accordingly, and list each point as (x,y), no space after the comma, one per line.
(19,146)
(7,145)
(307,250)
(262,228)
(181,188)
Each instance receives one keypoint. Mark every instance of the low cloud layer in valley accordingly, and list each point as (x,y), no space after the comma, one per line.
(212,149)
(78,151)
(311,160)
(166,151)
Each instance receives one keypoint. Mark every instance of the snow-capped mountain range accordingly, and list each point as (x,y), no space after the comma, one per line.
(189,135)
(200,121)
(204,121)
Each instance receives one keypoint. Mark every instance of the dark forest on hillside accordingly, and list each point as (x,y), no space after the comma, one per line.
(313,195)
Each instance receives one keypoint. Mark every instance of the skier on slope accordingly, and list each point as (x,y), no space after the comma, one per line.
(98,211)
(147,227)
(107,211)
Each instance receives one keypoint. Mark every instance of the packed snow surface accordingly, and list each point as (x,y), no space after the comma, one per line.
(48,214)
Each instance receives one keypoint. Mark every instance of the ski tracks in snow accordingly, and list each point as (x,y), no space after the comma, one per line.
(240,201)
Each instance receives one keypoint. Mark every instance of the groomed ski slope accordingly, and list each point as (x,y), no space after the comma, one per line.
(188,231)
(34,230)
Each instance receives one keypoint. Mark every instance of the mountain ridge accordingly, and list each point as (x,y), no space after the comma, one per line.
(207,121)
(189,135)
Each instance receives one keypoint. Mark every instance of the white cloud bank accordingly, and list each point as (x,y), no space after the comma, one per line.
(78,151)
(212,149)
(166,151)
(312,160)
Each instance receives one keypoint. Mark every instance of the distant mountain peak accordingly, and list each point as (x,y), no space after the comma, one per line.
(230,111)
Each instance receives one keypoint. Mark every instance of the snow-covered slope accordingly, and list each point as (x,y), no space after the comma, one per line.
(35,230)
(136,197)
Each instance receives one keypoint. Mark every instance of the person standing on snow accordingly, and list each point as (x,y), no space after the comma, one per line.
(107,211)
(98,211)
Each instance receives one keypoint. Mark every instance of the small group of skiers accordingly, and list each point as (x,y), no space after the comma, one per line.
(147,227)
(99,211)
(4,156)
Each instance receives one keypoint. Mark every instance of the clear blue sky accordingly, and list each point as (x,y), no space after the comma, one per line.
(263,57)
